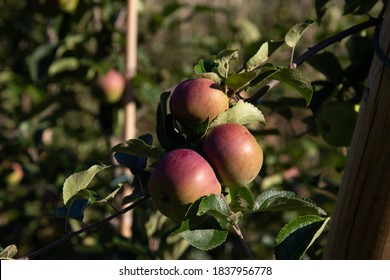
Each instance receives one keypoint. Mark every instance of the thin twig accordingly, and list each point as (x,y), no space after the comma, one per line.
(89,227)
(313,50)
(238,231)
(243,242)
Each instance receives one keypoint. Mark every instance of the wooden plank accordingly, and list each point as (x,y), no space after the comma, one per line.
(361,222)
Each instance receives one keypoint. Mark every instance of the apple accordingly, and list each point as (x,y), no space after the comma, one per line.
(193,101)
(68,6)
(234,154)
(112,84)
(179,179)
(336,122)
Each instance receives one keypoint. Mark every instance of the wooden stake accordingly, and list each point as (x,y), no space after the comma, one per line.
(361,222)
(130,106)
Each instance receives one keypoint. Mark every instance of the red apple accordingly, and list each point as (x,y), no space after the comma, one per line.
(234,154)
(178,179)
(195,100)
(113,85)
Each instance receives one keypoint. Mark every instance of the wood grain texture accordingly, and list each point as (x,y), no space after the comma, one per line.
(361,222)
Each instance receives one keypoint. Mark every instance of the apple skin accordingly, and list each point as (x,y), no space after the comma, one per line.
(112,84)
(234,154)
(178,179)
(193,101)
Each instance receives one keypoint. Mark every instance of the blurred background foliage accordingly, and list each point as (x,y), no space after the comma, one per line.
(54,122)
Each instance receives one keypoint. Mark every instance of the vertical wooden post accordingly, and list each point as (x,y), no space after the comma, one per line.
(129,131)
(361,222)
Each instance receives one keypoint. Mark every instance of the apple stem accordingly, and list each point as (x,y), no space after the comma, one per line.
(238,231)
(243,242)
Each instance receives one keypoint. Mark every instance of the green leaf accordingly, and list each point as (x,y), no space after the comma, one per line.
(204,66)
(358,7)
(199,68)
(297,80)
(243,113)
(297,236)
(63,65)
(111,196)
(79,181)
(241,199)
(223,59)
(321,7)
(211,76)
(295,33)
(75,208)
(161,129)
(238,81)
(197,133)
(215,206)
(203,239)
(138,147)
(201,229)
(328,64)
(9,252)
(262,55)
(136,163)
(264,76)
(273,200)
(140,186)
(167,136)
(40,60)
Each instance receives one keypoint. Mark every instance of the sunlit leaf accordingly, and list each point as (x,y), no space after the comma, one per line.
(273,200)
(211,76)
(243,113)
(79,181)
(223,59)
(262,55)
(297,236)
(63,65)
(8,252)
(295,33)
(215,206)
(241,199)
(111,196)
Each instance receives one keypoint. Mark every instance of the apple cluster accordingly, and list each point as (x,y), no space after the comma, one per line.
(228,154)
